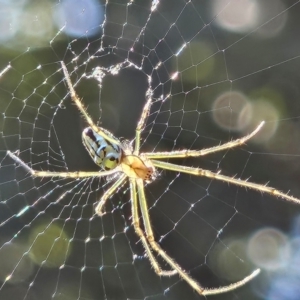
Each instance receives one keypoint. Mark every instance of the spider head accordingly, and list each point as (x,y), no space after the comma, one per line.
(138,167)
(104,153)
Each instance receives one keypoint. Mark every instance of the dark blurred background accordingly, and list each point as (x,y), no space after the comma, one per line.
(215,69)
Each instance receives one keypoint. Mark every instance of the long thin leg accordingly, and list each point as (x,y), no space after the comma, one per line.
(77,174)
(156,247)
(106,134)
(139,232)
(141,123)
(202,152)
(108,193)
(231,180)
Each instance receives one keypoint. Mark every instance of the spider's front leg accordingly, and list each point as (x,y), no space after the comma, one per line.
(202,152)
(156,247)
(238,182)
(136,224)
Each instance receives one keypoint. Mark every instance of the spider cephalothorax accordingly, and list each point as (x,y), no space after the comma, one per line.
(138,167)
(116,157)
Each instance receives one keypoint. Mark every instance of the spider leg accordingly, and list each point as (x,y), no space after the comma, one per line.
(244,183)
(99,208)
(139,232)
(141,123)
(81,108)
(184,275)
(77,174)
(202,152)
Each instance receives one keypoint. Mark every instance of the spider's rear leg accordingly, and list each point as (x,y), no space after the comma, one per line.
(99,208)
(76,174)
(142,120)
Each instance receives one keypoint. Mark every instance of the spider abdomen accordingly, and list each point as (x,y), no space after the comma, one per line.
(104,153)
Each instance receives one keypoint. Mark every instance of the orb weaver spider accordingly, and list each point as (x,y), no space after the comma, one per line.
(114,156)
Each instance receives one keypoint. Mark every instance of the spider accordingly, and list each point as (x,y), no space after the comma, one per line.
(114,156)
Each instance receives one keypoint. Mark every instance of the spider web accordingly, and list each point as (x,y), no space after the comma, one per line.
(215,69)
